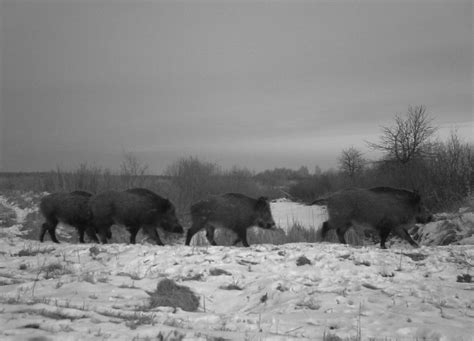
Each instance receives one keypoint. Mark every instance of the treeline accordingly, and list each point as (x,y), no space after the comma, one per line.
(442,171)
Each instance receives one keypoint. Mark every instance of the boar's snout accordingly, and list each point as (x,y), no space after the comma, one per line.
(172,226)
(271,226)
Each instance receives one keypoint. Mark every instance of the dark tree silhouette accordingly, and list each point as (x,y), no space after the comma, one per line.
(351,162)
(408,138)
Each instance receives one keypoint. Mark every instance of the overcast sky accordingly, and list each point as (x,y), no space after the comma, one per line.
(259,84)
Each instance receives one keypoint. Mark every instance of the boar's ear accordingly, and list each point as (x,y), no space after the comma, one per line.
(166,205)
(262,202)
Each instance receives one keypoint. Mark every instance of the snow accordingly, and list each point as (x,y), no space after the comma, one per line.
(96,292)
(448,229)
(403,293)
(287,213)
(21,214)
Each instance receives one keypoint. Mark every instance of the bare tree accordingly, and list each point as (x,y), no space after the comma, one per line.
(408,138)
(351,162)
(132,170)
(452,167)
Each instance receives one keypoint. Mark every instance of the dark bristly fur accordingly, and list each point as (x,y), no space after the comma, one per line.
(69,208)
(385,209)
(232,211)
(134,208)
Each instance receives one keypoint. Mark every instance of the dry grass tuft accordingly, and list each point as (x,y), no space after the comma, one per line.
(55,270)
(170,294)
(466,278)
(302,260)
(218,272)
(231,286)
(193,277)
(30,251)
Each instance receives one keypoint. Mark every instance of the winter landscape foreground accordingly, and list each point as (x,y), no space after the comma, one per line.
(310,291)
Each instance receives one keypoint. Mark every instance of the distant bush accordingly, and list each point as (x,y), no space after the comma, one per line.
(317,185)
(193,180)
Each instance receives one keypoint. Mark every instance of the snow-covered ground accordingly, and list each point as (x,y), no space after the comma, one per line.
(96,292)
(401,294)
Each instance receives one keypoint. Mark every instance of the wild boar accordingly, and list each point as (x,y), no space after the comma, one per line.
(232,211)
(69,208)
(134,208)
(384,209)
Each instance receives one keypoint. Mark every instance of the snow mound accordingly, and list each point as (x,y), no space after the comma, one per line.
(449,229)
(20,213)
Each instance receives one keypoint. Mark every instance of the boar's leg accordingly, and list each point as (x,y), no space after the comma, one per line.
(210,234)
(52,234)
(90,233)
(340,235)
(151,232)
(341,231)
(102,226)
(324,229)
(81,230)
(49,226)
(238,240)
(44,228)
(403,233)
(133,233)
(102,230)
(242,236)
(384,227)
(196,227)
(384,232)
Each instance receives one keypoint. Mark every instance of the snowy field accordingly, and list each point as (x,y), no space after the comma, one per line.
(265,292)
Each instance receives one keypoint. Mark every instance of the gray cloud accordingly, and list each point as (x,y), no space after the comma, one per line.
(259,84)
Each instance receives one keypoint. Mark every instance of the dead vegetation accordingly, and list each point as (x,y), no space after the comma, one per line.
(170,294)
(55,270)
(302,260)
(31,251)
